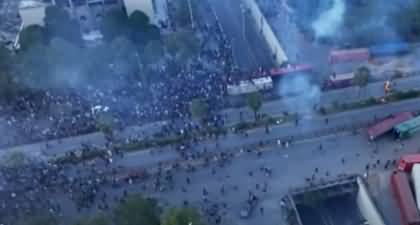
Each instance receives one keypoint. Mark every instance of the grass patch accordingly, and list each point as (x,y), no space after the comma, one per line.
(80,156)
(393,97)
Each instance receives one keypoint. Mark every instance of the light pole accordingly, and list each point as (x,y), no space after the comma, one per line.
(243,11)
(191,14)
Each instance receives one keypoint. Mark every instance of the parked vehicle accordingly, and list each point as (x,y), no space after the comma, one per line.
(135,174)
(407,161)
(387,124)
(404,197)
(349,55)
(415,176)
(249,86)
(390,49)
(336,81)
(408,128)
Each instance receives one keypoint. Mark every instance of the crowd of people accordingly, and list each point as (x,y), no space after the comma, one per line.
(51,114)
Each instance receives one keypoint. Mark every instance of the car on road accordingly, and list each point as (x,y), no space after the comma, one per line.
(132,175)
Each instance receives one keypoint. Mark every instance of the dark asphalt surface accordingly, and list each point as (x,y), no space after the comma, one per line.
(249,49)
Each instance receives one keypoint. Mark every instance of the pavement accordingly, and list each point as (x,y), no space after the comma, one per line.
(300,105)
(290,167)
(249,49)
(309,125)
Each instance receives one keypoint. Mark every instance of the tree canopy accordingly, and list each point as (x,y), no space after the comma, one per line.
(114,24)
(59,24)
(361,77)
(136,210)
(182,44)
(182,216)
(254,101)
(153,52)
(39,219)
(97,220)
(199,108)
(30,36)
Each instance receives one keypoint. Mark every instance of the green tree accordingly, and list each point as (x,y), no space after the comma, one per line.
(153,52)
(254,101)
(406,21)
(59,24)
(6,59)
(125,57)
(39,219)
(182,44)
(114,24)
(98,68)
(97,220)
(182,216)
(142,31)
(34,67)
(15,159)
(30,36)
(136,210)
(361,77)
(65,62)
(199,109)
(138,20)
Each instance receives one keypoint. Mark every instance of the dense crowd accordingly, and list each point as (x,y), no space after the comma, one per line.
(52,114)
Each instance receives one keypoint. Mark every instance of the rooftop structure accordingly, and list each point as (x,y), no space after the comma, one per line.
(32,12)
(343,201)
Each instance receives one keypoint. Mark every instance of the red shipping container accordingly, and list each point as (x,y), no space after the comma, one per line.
(341,56)
(289,69)
(405,199)
(387,124)
(406,162)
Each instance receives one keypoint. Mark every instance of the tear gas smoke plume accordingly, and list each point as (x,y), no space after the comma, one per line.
(300,94)
(329,22)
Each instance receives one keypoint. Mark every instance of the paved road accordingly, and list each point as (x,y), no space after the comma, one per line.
(310,125)
(290,168)
(247,46)
(345,95)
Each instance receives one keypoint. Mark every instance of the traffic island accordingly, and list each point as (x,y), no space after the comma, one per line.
(337,107)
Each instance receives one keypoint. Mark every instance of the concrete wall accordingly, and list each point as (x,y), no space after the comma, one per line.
(145,6)
(266,31)
(367,206)
(32,15)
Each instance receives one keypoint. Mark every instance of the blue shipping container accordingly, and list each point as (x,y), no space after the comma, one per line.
(389,49)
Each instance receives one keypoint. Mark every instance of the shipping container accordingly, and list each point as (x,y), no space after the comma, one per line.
(415,175)
(291,69)
(349,55)
(403,195)
(387,124)
(336,81)
(390,49)
(407,161)
(407,128)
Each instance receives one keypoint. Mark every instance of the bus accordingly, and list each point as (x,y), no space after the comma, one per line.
(387,124)
(408,128)
(249,86)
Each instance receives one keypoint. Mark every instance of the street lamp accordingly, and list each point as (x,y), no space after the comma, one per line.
(243,11)
(191,13)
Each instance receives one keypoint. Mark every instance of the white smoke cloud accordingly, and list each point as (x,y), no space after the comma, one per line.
(328,23)
(300,94)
